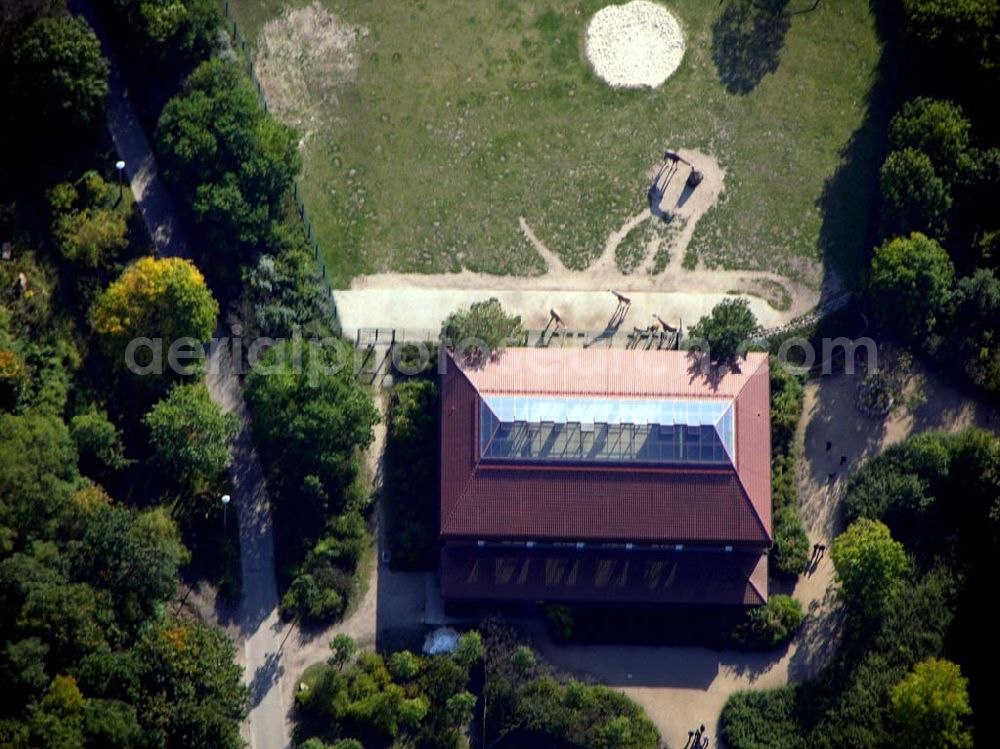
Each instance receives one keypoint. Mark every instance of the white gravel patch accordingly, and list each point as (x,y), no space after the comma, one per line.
(634,45)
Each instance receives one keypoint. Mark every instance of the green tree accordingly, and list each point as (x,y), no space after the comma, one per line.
(930,707)
(99,443)
(190,435)
(727,330)
(936,127)
(235,161)
(404,666)
(470,650)
(967,27)
(175,35)
(88,229)
(977,307)
(524,660)
(164,300)
(482,329)
(192,694)
(459,707)
(343,648)
(59,79)
(38,475)
(412,712)
(910,285)
(870,565)
(311,417)
(58,719)
(282,290)
(914,197)
(135,556)
(111,724)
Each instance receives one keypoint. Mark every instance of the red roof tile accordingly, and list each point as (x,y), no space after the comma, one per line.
(709,505)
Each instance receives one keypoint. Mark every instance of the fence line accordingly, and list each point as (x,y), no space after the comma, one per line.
(300,205)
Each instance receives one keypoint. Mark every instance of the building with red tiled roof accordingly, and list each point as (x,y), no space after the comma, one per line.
(598,475)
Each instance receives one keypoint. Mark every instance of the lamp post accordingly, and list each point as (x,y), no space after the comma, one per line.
(120,168)
(225,506)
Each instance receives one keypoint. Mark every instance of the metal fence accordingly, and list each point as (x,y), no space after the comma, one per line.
(300,206)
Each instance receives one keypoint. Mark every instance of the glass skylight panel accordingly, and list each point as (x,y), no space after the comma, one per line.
(594,430)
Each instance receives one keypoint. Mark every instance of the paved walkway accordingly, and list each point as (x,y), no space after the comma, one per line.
(261,631)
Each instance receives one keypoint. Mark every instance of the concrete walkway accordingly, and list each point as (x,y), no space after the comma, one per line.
(261,631)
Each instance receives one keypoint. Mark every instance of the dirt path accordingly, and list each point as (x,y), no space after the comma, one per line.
(680,688)
(414,300)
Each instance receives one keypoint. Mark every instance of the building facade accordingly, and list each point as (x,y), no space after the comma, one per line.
(605,476)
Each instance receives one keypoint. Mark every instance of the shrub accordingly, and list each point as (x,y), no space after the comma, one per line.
(786,407)
(763,720)
(311,601)
(791,551)
(561,622)
(411,486)
(771,625)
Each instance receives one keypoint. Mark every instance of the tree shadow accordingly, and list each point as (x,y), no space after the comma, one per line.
(746,42)
(819,638)
(265,677)
(847,203)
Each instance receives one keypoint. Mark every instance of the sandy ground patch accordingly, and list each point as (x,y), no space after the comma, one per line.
(303,58)
(639,44)
(417,313)
(415,301)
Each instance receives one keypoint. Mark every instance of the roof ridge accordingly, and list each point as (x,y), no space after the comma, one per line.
(765,358)
(739,476)
(762,594)
(472,474)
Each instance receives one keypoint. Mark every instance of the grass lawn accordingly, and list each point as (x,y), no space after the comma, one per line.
(461,117)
